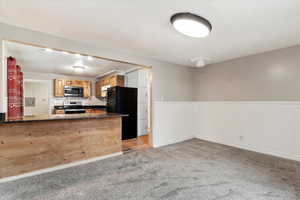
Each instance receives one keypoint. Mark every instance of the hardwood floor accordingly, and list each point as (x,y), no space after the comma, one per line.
(140,143)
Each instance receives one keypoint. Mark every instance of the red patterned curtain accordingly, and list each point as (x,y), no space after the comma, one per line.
(14,90)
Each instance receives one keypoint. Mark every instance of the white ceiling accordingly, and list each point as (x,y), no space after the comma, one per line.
(142,27)
(35,59)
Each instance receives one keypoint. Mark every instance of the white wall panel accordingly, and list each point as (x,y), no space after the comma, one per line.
(267,127)
(173,122)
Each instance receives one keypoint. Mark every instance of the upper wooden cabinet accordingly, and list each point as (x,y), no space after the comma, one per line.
(75,83)
(59,85)
(98,88)
(109,81)
(87,89)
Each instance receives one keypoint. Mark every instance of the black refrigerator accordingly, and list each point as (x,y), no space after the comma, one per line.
(124,100)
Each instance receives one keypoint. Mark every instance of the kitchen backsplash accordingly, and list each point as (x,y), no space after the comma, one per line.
(91,101)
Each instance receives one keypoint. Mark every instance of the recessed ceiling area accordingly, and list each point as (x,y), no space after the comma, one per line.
(240,28)
(45,60)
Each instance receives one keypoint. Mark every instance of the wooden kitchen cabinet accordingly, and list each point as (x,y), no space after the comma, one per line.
(98,88)
(79,83)
(89,111)
(68,82)
(117,81)
(59,85)
(106,81)
(96,111)
(87,89)
(59,111)
(120,81)
(114,80)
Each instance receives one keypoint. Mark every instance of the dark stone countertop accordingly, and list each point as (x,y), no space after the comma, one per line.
(100,107)
(64,117)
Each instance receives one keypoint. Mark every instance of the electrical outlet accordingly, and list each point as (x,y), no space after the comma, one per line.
(241,138)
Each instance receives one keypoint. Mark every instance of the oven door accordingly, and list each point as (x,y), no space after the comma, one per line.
(73,91)
(74,111)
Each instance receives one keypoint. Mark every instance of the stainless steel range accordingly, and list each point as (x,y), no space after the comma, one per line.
(73,107)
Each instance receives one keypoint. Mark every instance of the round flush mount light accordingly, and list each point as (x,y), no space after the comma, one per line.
(65,52)
(78,69)
(191,25)
(48,50)
(78,55)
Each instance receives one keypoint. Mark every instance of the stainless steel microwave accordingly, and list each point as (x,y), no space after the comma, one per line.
(73,91)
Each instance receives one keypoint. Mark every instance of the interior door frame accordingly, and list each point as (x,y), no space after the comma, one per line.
(49,91)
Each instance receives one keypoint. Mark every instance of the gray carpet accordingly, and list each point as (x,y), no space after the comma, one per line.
(189,170)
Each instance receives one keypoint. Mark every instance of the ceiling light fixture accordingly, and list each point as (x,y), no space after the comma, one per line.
(48,50)
(78,69)
(90,58)
(65,52)
(191,25)
(199,62)
(78,55)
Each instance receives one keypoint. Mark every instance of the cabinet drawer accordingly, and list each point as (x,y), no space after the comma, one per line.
(89,110)
(59,111)
(98,111)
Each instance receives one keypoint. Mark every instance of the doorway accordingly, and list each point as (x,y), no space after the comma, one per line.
(140,78)
(36,97)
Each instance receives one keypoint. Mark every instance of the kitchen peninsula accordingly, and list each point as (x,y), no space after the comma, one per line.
(34,143)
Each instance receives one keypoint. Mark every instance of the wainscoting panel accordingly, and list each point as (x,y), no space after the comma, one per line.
(173,122)
(266,127)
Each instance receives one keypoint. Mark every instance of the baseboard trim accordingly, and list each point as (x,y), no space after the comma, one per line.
(59,167)
(268,152)
(173,142)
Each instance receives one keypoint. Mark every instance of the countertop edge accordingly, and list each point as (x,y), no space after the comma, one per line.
(99,116)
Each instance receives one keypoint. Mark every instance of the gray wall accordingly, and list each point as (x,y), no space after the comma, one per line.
(271,76)
(170,82)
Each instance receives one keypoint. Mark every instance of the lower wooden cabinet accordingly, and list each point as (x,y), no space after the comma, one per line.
(96,111)
(59,111)
(89,110)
